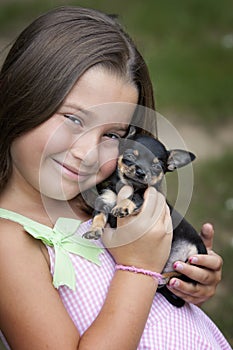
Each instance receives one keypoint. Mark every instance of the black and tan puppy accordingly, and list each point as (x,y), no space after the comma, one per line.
(142,162)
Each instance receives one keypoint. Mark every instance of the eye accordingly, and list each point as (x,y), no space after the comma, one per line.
(127,162)
(113,136)
(157,166)
(129,159)
(73,119)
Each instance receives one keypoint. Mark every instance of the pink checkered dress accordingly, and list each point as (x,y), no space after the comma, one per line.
(167,327)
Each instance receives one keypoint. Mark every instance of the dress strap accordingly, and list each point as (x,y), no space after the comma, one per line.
(64,239)
(20,219)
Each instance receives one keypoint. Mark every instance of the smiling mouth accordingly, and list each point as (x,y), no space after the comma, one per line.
(70,170)
(73,170)
(67,167)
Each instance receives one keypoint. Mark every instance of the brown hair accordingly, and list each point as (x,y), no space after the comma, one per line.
(47,59)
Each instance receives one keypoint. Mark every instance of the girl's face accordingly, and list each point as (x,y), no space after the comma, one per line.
(78,146)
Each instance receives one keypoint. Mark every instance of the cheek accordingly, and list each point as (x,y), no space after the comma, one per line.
(26,152)
(26,161)
(108,159)
(48,138)
(57,141)
(30,145)
(108,168)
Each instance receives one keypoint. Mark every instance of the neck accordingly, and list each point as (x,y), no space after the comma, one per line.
(38,207)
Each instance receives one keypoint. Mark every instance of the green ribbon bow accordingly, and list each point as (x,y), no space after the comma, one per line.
(62,237)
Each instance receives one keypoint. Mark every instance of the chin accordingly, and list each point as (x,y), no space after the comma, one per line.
(61,194)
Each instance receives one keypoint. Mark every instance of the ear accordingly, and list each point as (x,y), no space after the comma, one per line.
(178,158)
(132,131)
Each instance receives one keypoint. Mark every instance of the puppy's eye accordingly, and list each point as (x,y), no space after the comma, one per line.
(128,156)
(127,161)
(157,166)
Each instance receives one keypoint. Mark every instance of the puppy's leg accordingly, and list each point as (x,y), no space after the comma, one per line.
(97,227)
(124,208)
(128,206)
(104,203)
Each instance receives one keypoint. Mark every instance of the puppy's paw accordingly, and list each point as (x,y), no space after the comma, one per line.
(124,208)
(93,234)
(120,212)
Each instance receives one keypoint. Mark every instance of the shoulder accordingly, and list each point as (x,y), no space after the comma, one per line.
(21,256)
(15,241)
(27,293)
(12,236)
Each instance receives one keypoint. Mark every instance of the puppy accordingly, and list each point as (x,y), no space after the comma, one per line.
(142,162)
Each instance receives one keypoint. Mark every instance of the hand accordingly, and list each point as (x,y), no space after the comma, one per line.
(208,275)
(142,240)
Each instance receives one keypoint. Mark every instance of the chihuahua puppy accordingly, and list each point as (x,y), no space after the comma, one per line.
(142,162)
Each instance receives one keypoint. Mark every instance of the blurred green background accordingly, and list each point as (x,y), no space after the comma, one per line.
(188,46)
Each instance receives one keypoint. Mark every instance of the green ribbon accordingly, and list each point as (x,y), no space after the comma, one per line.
(62,237)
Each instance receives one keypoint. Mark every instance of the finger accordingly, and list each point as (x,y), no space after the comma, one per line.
(168,221)
(159,208)
(140,223)
(152,200)
(124,193)
(181,288)
(199,274)
(191,293)
(211,261)
(153,211)
(207,235)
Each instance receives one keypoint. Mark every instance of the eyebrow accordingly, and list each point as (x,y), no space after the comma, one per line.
(92,114)
(78,108)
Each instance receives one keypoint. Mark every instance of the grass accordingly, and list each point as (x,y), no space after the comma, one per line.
(188,45)
(213,182)
(183,43)
(2,347)
(212,201)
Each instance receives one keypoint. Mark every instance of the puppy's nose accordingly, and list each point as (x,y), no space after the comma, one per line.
(140,173)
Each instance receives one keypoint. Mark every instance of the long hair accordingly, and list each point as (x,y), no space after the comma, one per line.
(48,58)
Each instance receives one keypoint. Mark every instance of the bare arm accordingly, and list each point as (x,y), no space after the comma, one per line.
(32,315)
(128,303)
(123,316)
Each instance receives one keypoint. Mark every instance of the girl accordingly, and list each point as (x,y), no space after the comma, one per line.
(69,90)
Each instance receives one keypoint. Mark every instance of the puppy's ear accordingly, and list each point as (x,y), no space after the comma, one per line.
(178,158)
(132,131)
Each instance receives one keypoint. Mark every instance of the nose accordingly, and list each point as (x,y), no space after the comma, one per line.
(86,149)
(140,173)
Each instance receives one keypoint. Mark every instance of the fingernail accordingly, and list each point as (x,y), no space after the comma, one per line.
(208,226)
(193,260)
(178,266)
(174,283)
